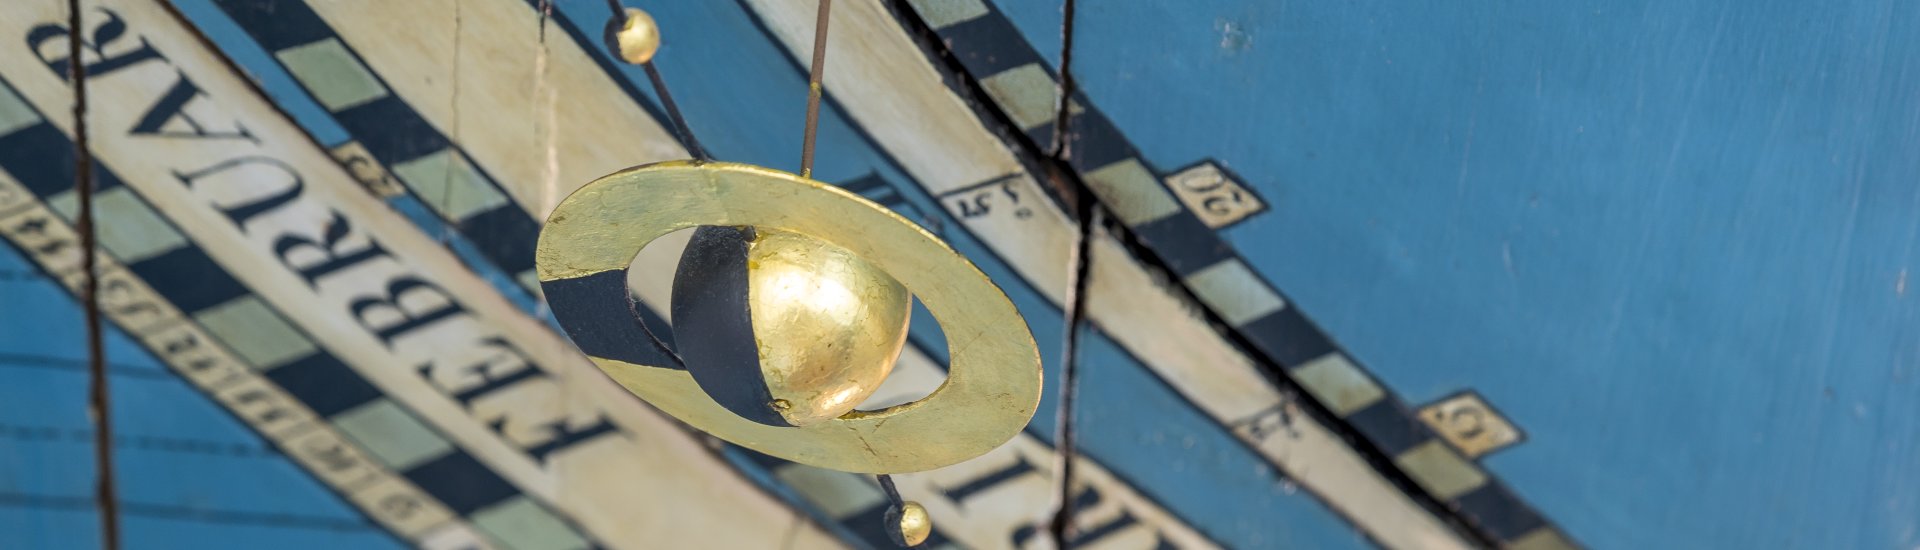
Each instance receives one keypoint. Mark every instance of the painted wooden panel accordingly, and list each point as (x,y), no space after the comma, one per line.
(1665,241)
(1374,275)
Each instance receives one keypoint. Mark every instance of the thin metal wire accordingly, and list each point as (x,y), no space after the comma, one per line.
(1065,436)
(1063,100)
(97,403)
(813,88)
(684,132)
(1086,213)
(893,493)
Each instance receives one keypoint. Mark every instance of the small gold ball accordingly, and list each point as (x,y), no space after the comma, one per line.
(911,524)
(637,38)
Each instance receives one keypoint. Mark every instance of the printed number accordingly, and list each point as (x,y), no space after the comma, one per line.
(1468,422)
(1202,184)
(1224,205)
(981,202)
(400,506)
(1227,202)
(123,300)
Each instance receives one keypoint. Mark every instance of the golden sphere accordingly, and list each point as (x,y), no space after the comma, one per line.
(825,326)
(828,325)
(636,39)
(911,524)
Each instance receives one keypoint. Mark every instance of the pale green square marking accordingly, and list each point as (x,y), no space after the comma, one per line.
(391,434)
(448,183)
(519,523)
(15,112)
(839,494)
(1132,192)
(530,280)
(254,331)
(1233,291)
(1544,538)
(1026,92)
(129,228)
(941,14)
(332,74)
(1438,470)
(1338,384)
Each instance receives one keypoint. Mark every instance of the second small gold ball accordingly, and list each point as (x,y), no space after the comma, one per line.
(911,523)
(637,38)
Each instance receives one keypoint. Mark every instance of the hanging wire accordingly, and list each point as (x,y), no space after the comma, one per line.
(1065,437)
(97,403)
(814,71)
(684,132)
(1085,212)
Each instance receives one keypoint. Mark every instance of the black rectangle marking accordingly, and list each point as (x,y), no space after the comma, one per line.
(989,44)
(506,235)
(461,482)
(1096,142)
(1287,337)
(1390,426)
(1498,511)
(391,130)
(324,383)
(189,278)
(40,157)
(1183,243)
(1042,138)
(277,24)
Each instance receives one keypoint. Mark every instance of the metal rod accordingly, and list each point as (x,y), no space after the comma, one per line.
(1063,102)
(1064,439)
(813,88)
(1086,213)
(893,493)
(97,403)
(685,133)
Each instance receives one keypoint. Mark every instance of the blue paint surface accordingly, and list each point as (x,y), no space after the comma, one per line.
(190,474)
(1670,240)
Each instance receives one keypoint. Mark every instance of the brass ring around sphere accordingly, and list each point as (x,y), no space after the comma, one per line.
(994,381)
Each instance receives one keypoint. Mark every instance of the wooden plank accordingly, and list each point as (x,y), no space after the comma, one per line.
(361,285)
(869,47)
